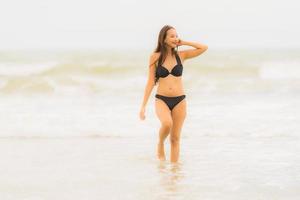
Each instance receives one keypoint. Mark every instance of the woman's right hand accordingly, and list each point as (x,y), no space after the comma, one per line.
(180,42)
(142,113)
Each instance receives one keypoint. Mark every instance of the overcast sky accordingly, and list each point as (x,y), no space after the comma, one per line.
(136,23)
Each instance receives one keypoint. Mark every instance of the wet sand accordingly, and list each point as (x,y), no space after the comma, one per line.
(126,168)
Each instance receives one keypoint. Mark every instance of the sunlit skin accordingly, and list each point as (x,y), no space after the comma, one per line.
(171,121)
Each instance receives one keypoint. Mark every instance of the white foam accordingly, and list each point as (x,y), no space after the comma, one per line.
(24,69)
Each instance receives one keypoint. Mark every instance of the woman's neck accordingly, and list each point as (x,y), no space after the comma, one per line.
(169,51)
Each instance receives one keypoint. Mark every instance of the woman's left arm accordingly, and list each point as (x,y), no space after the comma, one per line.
(190,53)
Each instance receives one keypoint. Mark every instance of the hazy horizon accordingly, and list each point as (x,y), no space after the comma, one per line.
(133,24)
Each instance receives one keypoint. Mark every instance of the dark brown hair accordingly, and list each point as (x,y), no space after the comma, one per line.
(161,46)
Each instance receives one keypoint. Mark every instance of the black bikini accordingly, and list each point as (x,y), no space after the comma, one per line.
(170,101)
(163,72)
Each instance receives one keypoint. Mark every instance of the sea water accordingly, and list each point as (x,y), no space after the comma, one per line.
(70,127)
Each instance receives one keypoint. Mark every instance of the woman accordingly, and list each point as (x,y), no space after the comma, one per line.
(165,67)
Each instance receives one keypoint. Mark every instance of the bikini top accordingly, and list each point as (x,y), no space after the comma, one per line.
(163,72)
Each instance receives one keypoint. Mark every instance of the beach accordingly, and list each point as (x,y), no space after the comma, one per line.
(126,168)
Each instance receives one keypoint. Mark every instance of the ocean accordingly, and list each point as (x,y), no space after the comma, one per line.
(70,127)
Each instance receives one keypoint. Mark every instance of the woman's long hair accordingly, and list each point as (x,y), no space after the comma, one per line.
(161,46)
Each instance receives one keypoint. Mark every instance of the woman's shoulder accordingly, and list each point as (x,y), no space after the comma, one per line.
(154,56)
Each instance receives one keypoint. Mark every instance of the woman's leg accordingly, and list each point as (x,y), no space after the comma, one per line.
(178,116)
(164,115)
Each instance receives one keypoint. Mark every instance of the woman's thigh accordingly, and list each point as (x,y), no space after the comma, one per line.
(178,116)
(163,112)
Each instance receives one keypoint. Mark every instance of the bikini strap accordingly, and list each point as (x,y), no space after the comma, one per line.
(176,56)
(178,59)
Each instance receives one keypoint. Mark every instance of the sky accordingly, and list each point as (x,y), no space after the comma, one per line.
(135,24)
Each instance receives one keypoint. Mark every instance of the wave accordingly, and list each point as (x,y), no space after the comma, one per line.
(94,72)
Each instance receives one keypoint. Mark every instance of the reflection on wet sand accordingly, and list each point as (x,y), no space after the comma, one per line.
(171,176)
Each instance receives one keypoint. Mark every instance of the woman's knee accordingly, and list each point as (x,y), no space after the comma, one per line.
(174,139)
(167,124)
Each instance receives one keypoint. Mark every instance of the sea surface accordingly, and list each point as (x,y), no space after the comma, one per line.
(70,127)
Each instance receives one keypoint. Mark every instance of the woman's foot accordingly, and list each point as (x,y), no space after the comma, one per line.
(161,151)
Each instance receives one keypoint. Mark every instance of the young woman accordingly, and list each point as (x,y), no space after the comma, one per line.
(165,68)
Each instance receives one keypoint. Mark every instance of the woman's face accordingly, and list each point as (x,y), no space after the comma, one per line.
(171,38)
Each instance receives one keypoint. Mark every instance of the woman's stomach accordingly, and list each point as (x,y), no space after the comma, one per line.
(170,86)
